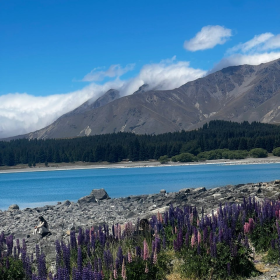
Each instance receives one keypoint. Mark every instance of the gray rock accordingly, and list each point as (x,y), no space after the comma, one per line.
(162,191)
(100,194)
(13,207)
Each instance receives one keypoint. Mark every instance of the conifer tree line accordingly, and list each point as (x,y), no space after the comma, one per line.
(115,147)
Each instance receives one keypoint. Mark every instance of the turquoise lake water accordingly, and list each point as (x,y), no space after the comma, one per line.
(31,189)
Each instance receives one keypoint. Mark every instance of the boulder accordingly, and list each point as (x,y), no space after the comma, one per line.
(100,194)
(13,207)
(87,199)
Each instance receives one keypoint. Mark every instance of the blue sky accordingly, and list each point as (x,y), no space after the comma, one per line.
(52,49)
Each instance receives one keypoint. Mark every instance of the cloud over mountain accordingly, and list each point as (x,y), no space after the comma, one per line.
(21,113)
(255,51)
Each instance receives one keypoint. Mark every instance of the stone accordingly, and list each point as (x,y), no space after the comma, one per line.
(87,199)
(100,194)
(162,191)
(13,207)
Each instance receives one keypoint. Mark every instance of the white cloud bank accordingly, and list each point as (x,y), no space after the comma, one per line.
(208,38)
(21,113)
(254,52)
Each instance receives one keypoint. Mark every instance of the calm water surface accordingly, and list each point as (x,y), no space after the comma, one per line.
(31,189)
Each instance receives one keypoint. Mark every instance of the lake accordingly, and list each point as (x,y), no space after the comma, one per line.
(32,189)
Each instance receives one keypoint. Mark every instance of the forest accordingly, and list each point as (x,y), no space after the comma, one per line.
(115,147)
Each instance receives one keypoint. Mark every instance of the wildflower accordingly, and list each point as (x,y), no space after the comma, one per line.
(146,250)
(193,242)
(155,257)
(198,237)
(123,270)
(129,257)
(115,274)
(146,269)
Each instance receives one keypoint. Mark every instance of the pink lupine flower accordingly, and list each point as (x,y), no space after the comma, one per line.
(146,250)
(251,224)
(198,237)
(197,222)
(123,270)
(191,218)
(175,230)
(155,257)
(246,228)
(193,240)
(160,218)
(146,269)
(119,232)
(129,257)
(115,274)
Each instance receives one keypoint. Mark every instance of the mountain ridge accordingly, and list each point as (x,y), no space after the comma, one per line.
(236,93)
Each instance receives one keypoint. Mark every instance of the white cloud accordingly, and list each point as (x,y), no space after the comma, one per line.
(208,38)
(21,113)
(168,74)
(253,52)
(113,71)
(241,59)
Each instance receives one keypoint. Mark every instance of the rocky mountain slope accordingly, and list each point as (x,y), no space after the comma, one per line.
(235,93)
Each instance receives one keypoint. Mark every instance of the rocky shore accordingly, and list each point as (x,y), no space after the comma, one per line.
(97,208)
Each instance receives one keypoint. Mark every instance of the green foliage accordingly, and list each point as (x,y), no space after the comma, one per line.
(262,235)
(276,152)
(258,153)
(163,159)
(15,270)
(203,266)
(222,153)
(114,147)
(184,157)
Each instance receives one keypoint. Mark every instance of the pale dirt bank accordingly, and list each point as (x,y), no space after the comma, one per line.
(129,164)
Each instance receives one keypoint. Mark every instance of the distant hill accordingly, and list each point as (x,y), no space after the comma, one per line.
(236,93)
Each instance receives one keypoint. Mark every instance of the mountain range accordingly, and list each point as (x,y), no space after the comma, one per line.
(236,93)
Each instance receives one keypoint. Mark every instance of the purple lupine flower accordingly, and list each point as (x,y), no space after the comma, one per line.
(228,268)
(79,259)
(9,243)
(41,266)
(213,249)
(187,239)
(99,265)
(198,249)
(85,273)
(58,253)
(66,256)
(138,251)
(81,237)
(73,240)
(87,237)
(92,237)
(180,239)
(119,258)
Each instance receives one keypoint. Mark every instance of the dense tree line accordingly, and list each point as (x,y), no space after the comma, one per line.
(117,146)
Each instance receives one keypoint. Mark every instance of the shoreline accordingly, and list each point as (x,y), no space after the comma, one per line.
(138,164)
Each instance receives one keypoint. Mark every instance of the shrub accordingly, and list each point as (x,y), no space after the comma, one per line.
(163,159)
(258,153)
(185,157)
(276,152)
